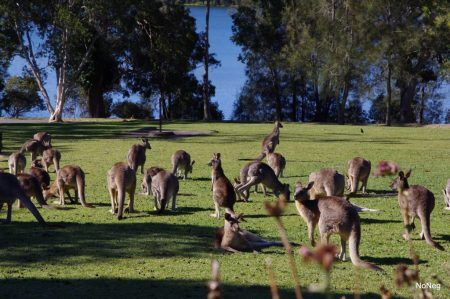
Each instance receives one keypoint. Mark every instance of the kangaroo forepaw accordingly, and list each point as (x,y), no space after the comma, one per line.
(406,236)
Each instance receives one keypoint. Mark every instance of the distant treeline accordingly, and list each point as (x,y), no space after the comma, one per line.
(212,2)
(330,60)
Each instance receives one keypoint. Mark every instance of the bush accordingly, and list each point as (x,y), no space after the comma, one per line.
(127,109)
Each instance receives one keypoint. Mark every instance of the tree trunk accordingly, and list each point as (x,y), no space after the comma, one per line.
(389,96)
(96,102)
(407,94)
(422,105)
(341,105)
(206,108)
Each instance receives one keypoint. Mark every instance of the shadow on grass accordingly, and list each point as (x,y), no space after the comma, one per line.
(147,287)
(391,260)
(442,237)
(374,221)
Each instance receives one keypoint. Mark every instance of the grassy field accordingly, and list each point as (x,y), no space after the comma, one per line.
(168,256)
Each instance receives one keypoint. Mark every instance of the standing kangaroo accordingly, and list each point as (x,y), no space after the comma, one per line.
(10,190)
(121,179)
(136,155)
(243,178)
(16,163)
(32,188)
(68,177)
(181,163)
(164,185)
(358,171)
(277,162)
(51,156)
(223,191)
(415,201)
(231,238)
(273,139)
(259,172)
(34,147)
(446,192)
(327,182)
(44,137)
(334,215)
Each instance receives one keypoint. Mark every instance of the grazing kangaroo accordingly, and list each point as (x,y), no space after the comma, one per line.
(136,155)
(243,178)
(34,147)
(358,171)
(415,201)
(16,163)
(231,238)
(32,188)
(121,179)
(164,186)
(10,190)
(40,174)
(277,162)
(51,156)
(273,139)
(68,177)
(223,192)
(334,215)
(44,137)
(181,163)
(446,192)
(259,172)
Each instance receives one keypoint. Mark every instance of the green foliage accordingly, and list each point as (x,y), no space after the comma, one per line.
(20,96)
(127,109)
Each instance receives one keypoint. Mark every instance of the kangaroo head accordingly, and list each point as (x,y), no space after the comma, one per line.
(146,143)
(37,163)
(233,222)
(286,193)
(190,166)
(215,161)
(401,182)
(152,171)
(302,193)
(278,124)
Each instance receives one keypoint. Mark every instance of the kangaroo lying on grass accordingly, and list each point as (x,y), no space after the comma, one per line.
(273,139)
(17,163)
(231,238)
(223,191)
(10,190)
(358,171)
(121,179)
(44,137)
(51,156)
(68,177)
(334,215)
(181,163)
(136,155)
(164,186)
(415,201)
(446,192)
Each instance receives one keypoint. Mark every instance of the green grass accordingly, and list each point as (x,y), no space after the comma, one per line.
(168,256)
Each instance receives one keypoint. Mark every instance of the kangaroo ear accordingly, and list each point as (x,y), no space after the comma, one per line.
(218,155)
(408,173)
(310,185)
(193,162)
(228,217)
(401,174)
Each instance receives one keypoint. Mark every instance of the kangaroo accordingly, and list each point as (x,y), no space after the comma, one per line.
(243,178)
(121,179)
(34,147)
(277,162)
(10,190)
(32,188)
(231,238)
(446,192)
(40,174)
(358,171)
(273,139)
(259,172)
(44,137)
(223,192)
(415,201)
(16,163)
(181,163)
(68,177)
(51,156)
(327,182)
(335,215)
(136,155)
(164,186)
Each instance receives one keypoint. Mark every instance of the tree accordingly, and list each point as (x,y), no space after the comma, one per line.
(21,96)
(206,109)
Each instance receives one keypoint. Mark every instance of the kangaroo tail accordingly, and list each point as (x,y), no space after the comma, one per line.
(425,222)
(354,239)
(363,209)
(120,202)
(266,244)
(80,188)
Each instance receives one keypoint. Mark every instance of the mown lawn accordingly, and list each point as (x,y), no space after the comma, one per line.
(169,256)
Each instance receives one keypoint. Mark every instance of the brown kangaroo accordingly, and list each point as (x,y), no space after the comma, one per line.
(32,188)
(327,182)
(415,201)
(136,155)
(335,215)
(358,171)
(51,156)
(68,177)
(10,190)
(44,137)
(259,172)
(273,139)
(243,178)
(121,179)
(34,147)
(223,191)
(277,162)
(40,174)
(231,238)
(446,192)
(181,163)
(17,163)
(164,186)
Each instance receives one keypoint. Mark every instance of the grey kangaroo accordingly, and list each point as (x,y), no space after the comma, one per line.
(358,171)
(32,188)
(44,137)
(51,156)
(17,163)
(415,201)
(446,192)
(223,191)
(334,215)
(40,174)
(163,185)
(273,139)
(121,179)
(34,147)
(136,155)
(181,163)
